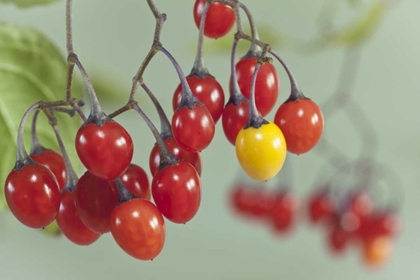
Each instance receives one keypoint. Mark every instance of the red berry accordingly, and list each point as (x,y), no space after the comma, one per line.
(32,195)
(302,123)
(176,190)
(193,129)
(220,18)
(105,150)
(361,204)
(136,181)
(266,85)
(243,199)
(283,214)
(338,239)
(55,162)
(193,158)
(265,201)
(70,224)
(321,207)
(207,90)
(138,228)
(381,223)
(234,118)
(95,199)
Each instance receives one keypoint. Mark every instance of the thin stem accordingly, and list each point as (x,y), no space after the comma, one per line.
(199,67)
(255,119)
(188,99)
(22,156)
(160,20)
(235,93)
(165,125)
(69,28)
(295,93)
(166,157)
(95,107)
(36,146)
(71,174)
(235,6)
(254,49)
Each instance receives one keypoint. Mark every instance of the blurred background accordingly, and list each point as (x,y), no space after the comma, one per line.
(112,38)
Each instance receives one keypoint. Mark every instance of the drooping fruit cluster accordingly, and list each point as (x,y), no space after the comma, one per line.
(114,195)
(275,208)
(353,220)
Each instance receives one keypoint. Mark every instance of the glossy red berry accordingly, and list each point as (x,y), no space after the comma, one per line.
(207,90)
(105,150)
(193,158)
(220,18)
(138,228)
(32,195)
(321,207)
(266,86)
(135,179)
(70,224)
(54,162)
(95,199)
(193,129)
(234,119)
(302,124)
(176,190)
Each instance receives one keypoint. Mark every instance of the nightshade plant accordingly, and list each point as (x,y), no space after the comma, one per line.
(114,194)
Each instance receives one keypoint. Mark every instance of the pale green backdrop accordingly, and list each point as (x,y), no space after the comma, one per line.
(114,36)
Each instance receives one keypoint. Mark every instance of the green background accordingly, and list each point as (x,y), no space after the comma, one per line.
(113,37)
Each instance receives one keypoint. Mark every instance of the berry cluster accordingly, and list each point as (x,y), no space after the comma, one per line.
(114,194)
(277,209)
(353,220)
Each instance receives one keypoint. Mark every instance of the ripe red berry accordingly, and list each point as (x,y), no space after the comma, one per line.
(70,224)
(193,158)
(243,199)
(105,150)
(234,118)
(321,207)
(176,190)
(266,85)
(95,199)
(32,195)
(283,214)
(54,162)
(207,90)
(265,201)
(220,18)
(193,129)
(302,124)
(138,228)
(338,240)
(136,181)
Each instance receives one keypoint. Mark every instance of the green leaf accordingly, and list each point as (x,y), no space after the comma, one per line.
(28,3)
(31,69)
(362,28)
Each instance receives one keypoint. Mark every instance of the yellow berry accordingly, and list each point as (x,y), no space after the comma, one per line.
(261,151)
